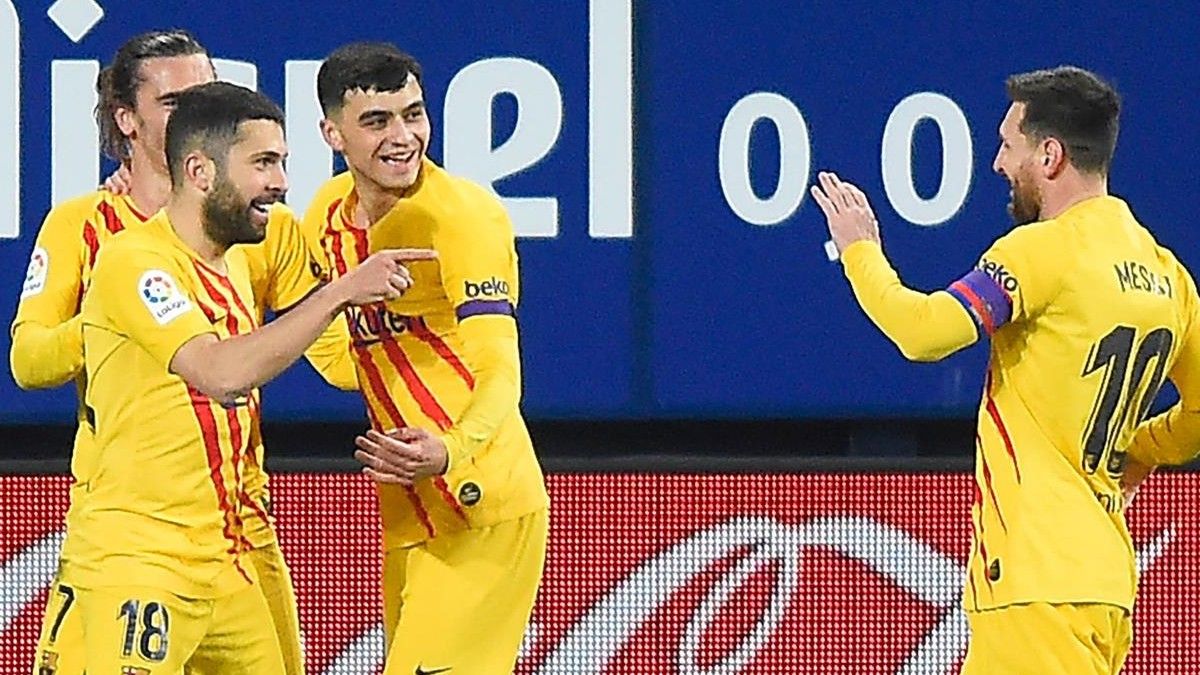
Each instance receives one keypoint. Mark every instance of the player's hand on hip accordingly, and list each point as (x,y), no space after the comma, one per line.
(383,276)
(847,211)
(1134,475)
(401,456)
(119,182)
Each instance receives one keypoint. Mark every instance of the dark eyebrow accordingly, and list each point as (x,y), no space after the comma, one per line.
(377,113)
(414,106)
(168,97)
(266,154)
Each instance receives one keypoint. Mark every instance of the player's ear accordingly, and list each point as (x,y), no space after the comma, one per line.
(333,137)
(1054,157)
(199,170)
(124,118)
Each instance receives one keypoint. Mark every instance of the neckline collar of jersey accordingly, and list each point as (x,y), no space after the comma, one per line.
(163,221)
(343,218)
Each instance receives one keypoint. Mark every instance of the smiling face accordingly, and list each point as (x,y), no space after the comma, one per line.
(1016,161)
(382,134)
(249,180)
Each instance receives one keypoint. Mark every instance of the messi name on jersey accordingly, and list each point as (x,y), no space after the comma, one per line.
(1134,276)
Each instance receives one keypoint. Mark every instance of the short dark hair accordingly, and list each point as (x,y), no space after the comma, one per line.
(117,84)
(208,116)
(377,66)
(1074,106)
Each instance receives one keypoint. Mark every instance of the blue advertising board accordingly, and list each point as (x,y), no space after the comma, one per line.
(655,158)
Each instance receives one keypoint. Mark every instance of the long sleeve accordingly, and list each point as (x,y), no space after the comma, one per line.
(491,346)
(46,356)
(331,356)
(47,339)
(925,327)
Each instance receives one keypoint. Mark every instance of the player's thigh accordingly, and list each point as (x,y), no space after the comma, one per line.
(468,598)
(1044,638)
(139,630)
(395,573)
(60,649)
(275,581)
(241,639)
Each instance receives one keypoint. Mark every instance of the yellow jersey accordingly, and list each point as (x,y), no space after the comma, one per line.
(1086,314)
(164,478)
(47,345)
(444,357)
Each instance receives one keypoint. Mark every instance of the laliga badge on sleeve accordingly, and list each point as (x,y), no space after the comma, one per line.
(161,295)
(35,274)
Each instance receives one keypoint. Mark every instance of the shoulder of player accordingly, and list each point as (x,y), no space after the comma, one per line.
(328,195)
(1031,236)
(464,205)
(137,243)
(74,212)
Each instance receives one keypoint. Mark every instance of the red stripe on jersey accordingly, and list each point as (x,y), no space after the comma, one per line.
(983,552)
(977,303)
(332,210)
(440,483)
(133,209)
(421,331)
(420,393)
(977,525)
(994,413)
(111,220)
(202,407)
(335,249)
(92,241)
(254,441)
(361,246)
(379,389)
(987,477)
(237,300)
(231,323)
(202,272)
(335,239)
(429,405)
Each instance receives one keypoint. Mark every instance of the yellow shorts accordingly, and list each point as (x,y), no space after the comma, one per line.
(460,602)
(131,630)
(275,581)
(60,643)
(1038,638)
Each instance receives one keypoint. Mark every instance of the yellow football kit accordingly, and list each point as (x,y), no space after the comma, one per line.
(47,350)
(1087,314)
(158,542)
(445,358)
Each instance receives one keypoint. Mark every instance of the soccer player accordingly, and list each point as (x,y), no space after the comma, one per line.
(1086,314)
(136,94)
(173,357)
(462,497)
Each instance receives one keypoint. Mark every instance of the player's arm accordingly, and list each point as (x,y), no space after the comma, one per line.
(1010,284)
(176,332)
(480,275)
(229,369)
(331,356)
(292,279)
(925,327)
(47,335)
